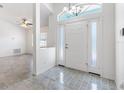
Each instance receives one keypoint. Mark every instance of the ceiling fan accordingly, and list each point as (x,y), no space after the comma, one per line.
(24,22)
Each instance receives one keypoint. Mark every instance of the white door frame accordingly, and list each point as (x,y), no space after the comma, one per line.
(84,18)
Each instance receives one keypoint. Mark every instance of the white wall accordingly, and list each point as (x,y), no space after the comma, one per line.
(44,58)
(119,21)
(11,37)
(119,45)
(29,42)
(109,41)
(44,29)
(47,59)
(119,65)
(51,40)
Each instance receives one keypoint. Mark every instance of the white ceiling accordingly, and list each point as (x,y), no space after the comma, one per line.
(17,10)
(11,11)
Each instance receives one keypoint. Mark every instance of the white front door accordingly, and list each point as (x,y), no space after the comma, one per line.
(83,46)
(76,50)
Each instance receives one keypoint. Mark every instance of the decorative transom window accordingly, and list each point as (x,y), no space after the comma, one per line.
(75,10)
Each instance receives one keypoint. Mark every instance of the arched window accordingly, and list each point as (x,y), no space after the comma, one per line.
(78,10)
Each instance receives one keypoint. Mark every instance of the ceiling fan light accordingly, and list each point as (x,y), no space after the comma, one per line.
(23,25)
(26,22)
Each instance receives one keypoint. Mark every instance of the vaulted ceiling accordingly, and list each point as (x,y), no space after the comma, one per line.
(14,10)
(11,11)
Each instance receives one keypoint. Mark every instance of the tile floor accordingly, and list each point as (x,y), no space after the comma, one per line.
(59,78)
(56,78)
(14,69)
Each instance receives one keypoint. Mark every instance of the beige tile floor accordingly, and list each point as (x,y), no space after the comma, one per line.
(15,74)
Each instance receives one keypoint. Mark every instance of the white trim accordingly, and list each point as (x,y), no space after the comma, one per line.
(36,40)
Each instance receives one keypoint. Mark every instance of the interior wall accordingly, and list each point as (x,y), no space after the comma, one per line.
(109,40)
(44,29)
(51,40)
(44,58)
(11,37)
(119,46)
(29,42)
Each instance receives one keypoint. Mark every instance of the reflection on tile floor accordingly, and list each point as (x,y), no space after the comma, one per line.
(59,78)
(15,73)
